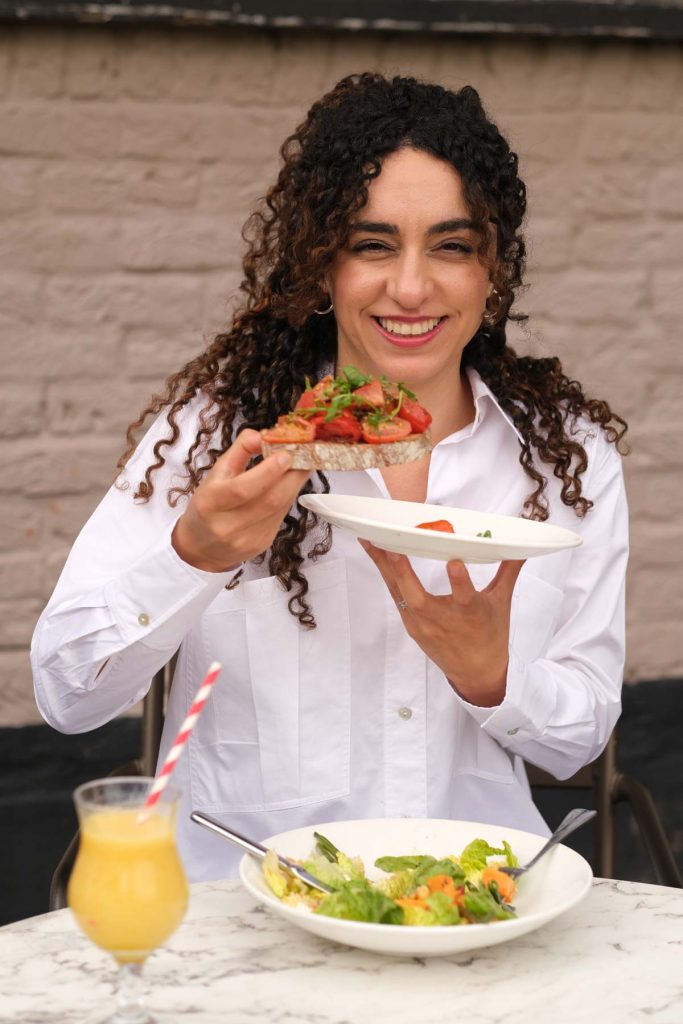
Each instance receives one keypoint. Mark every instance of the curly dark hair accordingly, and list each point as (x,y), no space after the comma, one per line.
(254,371)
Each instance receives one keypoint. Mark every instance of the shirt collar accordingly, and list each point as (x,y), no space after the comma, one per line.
(484,399)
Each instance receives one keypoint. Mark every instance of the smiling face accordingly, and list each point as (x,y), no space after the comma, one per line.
(409,289)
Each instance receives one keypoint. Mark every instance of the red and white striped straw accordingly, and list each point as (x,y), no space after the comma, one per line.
(183,734)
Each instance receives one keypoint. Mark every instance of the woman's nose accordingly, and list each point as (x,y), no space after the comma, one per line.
(410,283)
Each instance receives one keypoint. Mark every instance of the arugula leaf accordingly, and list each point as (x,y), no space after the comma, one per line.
(406,391)
(355,378)
(359,901)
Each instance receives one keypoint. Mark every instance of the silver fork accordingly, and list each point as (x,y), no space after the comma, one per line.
(575,819)
(256,850)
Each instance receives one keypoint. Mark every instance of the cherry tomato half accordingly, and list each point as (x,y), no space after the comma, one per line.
(344,427)
(417,416)
(289,430)
(369,396)
(315,395)
(385,431)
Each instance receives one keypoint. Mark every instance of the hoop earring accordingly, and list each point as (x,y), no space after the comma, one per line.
(324,312)
(490,315)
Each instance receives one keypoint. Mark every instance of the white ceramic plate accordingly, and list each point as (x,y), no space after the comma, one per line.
(559,881)
(392,525)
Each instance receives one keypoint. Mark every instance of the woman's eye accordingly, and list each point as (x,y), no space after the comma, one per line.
(458,247)
(370,245)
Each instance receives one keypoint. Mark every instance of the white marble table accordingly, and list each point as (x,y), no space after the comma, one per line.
(615,959)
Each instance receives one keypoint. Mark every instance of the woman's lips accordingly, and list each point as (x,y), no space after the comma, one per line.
(409,340)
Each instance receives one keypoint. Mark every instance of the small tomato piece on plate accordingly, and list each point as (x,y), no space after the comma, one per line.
(384,431)
(289,430)
(343,427)
(417,415)
(369,396)
(439,524)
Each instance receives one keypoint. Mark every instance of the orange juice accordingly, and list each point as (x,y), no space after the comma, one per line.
(128,890)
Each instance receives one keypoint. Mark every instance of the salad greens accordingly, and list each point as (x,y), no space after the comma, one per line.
(416,889)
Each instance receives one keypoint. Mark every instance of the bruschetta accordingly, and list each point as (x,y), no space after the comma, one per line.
(350,422)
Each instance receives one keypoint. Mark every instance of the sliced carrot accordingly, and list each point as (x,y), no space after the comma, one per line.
(410,902)
(506,885)
(442,883)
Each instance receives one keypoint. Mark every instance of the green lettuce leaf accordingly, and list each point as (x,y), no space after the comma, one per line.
(276,878)
(397,885)
(390,864)
(440,867)
(359,901)
(512,861)
(331,865)
(473,858)
(440,911)
(481,905)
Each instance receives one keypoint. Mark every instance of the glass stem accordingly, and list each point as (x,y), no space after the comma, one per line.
(130,1006)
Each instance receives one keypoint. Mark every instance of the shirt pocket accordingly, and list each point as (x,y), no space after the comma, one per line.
(279,735)
(534,613)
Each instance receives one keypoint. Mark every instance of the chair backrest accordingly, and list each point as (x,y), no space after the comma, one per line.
(598,779)
(611,786)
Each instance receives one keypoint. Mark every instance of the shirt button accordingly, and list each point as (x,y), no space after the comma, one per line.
(512,732)
(405,713)
(143,619)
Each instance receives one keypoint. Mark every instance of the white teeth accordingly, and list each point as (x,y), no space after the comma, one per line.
(414,329)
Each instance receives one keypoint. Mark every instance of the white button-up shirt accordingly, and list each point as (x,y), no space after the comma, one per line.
(351,719)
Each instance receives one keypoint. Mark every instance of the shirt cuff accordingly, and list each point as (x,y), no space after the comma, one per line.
(157,600)
(524,712)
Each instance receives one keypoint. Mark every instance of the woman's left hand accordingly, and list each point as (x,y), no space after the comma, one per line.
(465,632)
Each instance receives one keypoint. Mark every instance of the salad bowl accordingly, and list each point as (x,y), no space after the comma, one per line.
(552,888)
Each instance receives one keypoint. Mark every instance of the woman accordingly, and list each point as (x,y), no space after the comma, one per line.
(358,686)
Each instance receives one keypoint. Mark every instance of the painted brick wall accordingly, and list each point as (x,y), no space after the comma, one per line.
(128,162)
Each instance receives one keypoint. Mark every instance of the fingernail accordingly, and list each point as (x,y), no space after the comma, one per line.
(365,544)
(284,459)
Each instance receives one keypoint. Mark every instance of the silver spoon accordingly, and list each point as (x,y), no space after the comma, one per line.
(256,850)
(575,819)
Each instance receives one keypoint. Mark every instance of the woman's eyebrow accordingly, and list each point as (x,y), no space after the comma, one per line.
(457,224)
(377,227)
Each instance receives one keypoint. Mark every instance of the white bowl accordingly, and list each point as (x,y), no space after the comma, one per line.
(560,880)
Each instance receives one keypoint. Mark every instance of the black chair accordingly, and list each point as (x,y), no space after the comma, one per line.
(610,787)
(602,778)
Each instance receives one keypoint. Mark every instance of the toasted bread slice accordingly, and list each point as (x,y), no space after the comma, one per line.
(333,455)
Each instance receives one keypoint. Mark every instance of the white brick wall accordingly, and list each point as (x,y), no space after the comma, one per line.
(128,162)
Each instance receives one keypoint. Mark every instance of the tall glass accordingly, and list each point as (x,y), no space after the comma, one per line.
(127,890)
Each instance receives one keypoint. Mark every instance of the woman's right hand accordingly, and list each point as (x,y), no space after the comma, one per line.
(236,512)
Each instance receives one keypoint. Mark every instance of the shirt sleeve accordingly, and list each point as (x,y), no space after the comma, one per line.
(559,711)
(124,600)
